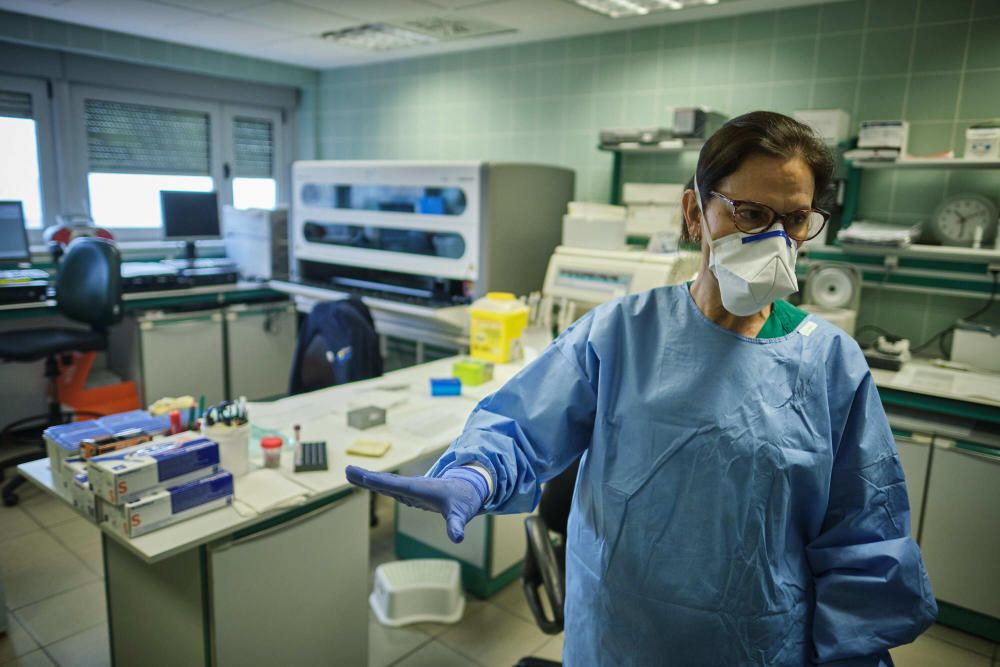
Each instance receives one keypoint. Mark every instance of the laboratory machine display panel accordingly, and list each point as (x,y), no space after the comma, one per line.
(434,232)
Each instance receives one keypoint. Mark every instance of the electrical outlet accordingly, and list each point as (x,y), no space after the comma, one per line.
(891,262)
(993,267)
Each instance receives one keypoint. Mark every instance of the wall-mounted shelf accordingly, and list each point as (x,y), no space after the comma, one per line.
(639,148)
(619,152)
(919,163)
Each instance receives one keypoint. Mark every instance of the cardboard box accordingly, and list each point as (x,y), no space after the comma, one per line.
(63,441)
(168,506)
(126,475)
(83,497)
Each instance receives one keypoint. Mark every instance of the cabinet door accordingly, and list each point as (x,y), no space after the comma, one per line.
(914,454)
(261,342)
(182,355)
(961,534)
(295,593)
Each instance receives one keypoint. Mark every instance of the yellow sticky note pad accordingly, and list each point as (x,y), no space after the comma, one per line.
(373,448)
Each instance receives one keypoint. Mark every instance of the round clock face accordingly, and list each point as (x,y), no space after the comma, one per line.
(957,217)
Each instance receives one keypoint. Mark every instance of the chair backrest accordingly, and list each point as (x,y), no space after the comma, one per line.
(337,344)
(89,283)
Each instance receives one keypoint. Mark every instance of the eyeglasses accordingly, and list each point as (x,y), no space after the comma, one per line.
(751,217)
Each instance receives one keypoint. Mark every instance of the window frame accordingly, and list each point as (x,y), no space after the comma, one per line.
(221,150)
(276,116)
(81,93)
(41,113)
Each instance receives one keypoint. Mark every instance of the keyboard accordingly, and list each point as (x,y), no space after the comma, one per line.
(9,276)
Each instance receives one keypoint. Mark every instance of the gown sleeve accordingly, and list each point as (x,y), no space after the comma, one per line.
(871,587)
(535,426)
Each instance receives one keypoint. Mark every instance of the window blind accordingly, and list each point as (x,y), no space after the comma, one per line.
(14,104)
(253,148)
(141,139)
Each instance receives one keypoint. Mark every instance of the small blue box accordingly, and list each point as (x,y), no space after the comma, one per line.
(446,387)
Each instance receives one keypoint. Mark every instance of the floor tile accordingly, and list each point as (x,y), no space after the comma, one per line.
(14,522)
(83,539)
(35,566)
(551,650)
(961,639)
(435,654)
(386,645)
(472,604)
(65,614)
(512,599)
(33,659)
(16,642)
(90,648)
(494,637)
(929,652)
(46,510)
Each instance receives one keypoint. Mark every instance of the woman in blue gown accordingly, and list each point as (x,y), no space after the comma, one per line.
(739,499)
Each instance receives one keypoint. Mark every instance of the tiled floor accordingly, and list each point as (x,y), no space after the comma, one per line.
(50,562)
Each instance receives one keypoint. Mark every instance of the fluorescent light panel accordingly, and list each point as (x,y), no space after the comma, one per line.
(619,8)
(378,37)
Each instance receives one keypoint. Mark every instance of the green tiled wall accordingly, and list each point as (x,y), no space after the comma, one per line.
(935,63)
(42,32)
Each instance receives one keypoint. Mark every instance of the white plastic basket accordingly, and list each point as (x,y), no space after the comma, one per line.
(417,591)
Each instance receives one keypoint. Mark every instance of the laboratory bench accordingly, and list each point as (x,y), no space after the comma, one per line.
(946,424)
(283,577)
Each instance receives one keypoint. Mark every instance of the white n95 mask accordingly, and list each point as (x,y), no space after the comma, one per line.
(753,270)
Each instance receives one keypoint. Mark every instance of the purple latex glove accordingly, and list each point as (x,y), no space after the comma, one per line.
(457,495)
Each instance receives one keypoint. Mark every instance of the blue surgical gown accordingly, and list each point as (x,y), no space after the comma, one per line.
(739,501)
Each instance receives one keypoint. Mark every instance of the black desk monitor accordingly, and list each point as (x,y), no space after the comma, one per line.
(13,234)
(190,216)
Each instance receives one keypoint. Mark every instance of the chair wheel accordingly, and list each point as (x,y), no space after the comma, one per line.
(10,499)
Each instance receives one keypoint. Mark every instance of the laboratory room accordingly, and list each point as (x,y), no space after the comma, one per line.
(496,333)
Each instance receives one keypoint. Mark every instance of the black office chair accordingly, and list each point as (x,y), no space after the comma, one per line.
(88,290)
(545,561)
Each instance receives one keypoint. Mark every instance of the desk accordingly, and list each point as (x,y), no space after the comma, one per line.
(444,327)
(207,295)
(287,586)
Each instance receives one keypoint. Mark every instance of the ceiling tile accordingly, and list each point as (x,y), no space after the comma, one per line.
(307,51)
(214,6)
(141,17)
(373,10)
(293,18)
(457,4)
(225,34)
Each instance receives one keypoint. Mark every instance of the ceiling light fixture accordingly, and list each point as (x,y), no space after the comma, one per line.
(622,8)
(378,37)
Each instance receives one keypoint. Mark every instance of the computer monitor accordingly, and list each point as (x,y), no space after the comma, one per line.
(190,216)
(13,235)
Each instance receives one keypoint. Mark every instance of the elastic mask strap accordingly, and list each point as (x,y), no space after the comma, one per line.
(769,235)
(704,220)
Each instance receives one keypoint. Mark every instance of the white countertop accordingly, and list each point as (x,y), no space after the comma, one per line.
(419,426)
(921,376)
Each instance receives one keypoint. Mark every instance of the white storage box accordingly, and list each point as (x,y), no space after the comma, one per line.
(594,233)
(417,591)
(982,143)
(832,125)
(977,345)
(653,193)
(589,209)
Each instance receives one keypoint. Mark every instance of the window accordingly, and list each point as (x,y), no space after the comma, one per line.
(253,158)
(130,145)
(26,167)
(134,151)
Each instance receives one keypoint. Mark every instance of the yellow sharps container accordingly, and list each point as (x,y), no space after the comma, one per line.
(497,320)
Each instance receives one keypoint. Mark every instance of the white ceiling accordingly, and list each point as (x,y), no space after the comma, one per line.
(288,30)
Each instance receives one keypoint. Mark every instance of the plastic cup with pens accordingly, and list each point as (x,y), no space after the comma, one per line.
(228,425)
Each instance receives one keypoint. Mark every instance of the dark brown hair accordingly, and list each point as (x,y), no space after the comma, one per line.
(761,133)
